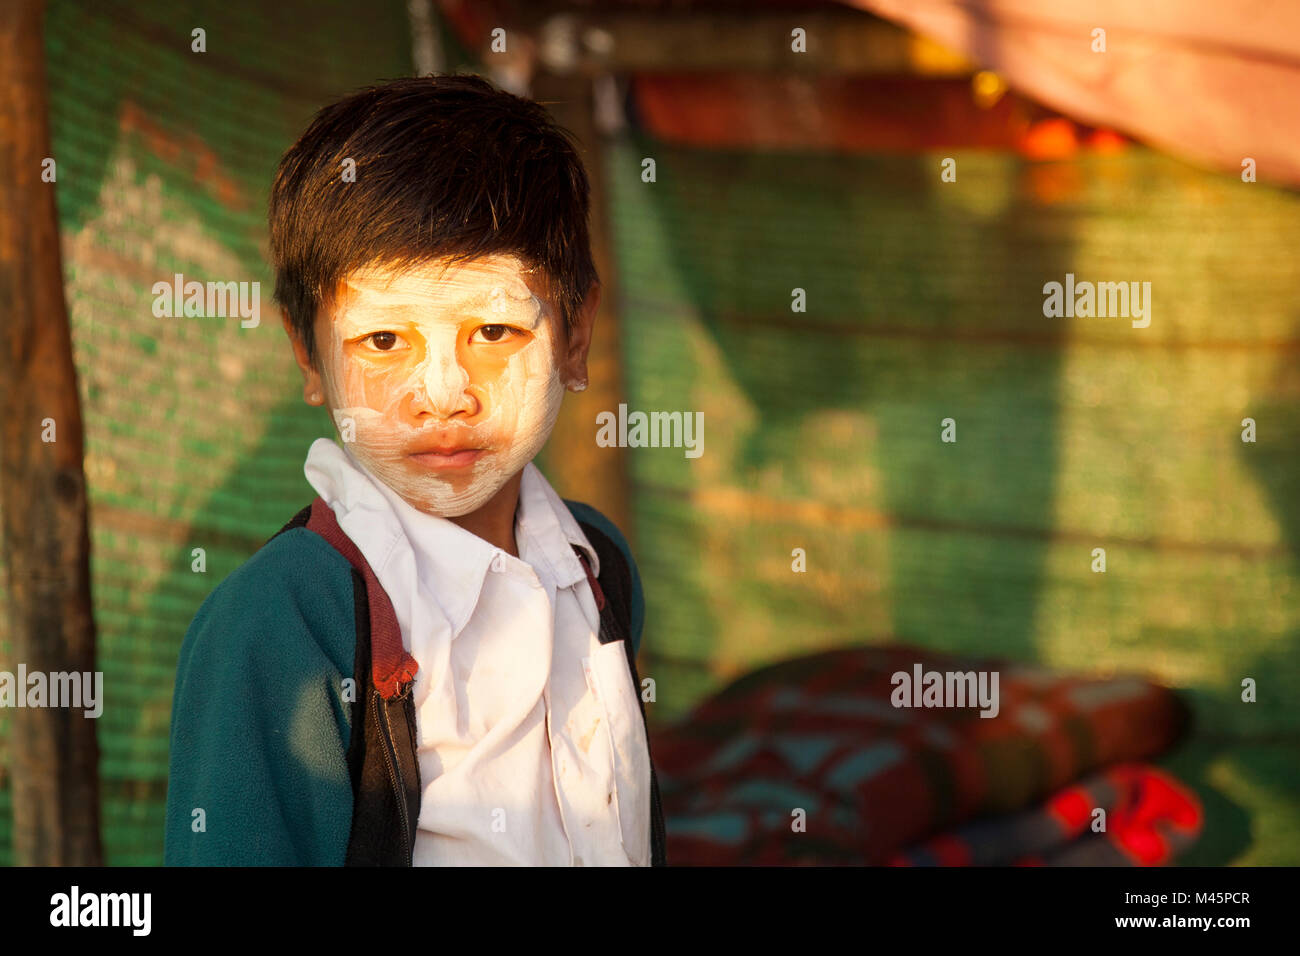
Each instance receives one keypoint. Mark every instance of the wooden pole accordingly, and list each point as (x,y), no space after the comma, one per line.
(576,464)
(840,41)
(55,755)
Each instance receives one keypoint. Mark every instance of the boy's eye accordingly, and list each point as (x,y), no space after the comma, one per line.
(495,333)
(384,341)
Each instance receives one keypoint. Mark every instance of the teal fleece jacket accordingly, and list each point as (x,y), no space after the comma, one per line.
(260,725)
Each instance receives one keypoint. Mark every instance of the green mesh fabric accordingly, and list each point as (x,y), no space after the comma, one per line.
(925,302)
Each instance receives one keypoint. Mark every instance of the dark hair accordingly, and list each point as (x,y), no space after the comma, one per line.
(446,166)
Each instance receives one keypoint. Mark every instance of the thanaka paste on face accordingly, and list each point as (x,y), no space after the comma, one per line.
(442,384)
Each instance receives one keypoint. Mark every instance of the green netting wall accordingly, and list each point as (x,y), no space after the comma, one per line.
(925,302)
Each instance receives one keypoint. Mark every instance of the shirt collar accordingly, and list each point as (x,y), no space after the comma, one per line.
(545,530)
(450,559)
(454,561)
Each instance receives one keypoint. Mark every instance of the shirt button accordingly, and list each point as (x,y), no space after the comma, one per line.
(497,563)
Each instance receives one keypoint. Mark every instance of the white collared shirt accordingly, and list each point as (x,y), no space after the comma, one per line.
(530,740)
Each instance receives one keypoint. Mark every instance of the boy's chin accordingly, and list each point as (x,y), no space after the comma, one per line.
(455,506)
(447,499)
(450,496)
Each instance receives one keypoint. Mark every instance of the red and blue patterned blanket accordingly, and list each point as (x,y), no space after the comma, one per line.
(807,761)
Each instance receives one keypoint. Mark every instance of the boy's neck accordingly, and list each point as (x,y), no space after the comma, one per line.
(494,522)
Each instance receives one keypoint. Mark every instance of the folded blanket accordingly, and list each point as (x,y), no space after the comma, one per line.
(809,761)
(1150,818)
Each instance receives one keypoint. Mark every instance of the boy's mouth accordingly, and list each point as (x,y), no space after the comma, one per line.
(446,458)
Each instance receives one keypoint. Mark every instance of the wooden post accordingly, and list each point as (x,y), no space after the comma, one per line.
(55,755)
(842,41)
(576,464)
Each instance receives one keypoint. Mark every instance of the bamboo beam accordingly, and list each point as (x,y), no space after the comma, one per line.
(839,42)
(576,464)
(55,755)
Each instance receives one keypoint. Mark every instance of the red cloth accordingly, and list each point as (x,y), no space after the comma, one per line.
(1150,818)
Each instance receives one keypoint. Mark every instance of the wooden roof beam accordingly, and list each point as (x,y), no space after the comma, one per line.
(838,42)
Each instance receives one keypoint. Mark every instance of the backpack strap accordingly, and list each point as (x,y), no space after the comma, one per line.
(610,589)
(391,665)
(381,754)
(385,769)
(613,591)
(612,552)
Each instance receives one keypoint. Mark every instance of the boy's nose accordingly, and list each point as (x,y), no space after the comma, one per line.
(446,385)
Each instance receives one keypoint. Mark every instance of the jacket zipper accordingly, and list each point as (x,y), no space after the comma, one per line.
(394,774)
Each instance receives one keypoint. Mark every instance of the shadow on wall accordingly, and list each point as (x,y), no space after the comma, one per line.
(903,329)
(1249,751)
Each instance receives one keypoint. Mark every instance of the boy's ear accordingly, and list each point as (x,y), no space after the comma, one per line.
(579,339)
(313,390)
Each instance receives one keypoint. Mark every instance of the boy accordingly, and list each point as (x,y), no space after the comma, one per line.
(434,663)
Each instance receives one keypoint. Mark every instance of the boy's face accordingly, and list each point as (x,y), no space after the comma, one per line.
(449,382)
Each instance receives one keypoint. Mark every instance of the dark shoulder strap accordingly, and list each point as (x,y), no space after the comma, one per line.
(613,588)
(390,665)
(392,668)
(385,782)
